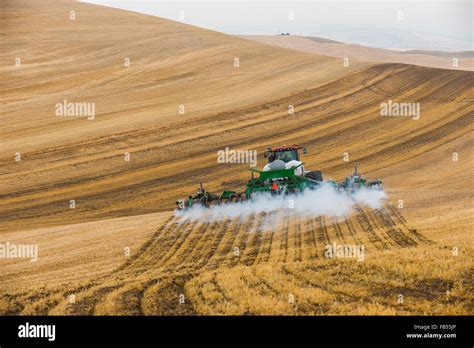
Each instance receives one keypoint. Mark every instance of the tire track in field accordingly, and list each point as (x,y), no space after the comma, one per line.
(292,222)
(244,234)
(298,252)
(168,297)
(277,238)
(131,286)
(368,228)
(239,233)
(96,293)
(125,299)
(251,251)
(311,232)
(192,255)
(395,214)
(271,234)
(188,251)
(351,230)
(225,244)
(284,241)
(148,254)
(338,229)
(380,227)
(211,301)
(183,238)
(308,246)
(85,305)
(323,236)
(393,231)
(207,247)
(133,265)
(158,250)
(267,238)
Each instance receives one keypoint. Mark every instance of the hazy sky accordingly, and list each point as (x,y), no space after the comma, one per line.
(435,25)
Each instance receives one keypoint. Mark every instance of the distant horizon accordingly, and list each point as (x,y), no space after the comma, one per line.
(396,25)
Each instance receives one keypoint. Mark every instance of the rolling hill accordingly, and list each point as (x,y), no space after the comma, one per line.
(325,47)
(128,204)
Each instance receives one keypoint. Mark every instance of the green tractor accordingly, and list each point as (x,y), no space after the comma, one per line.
(284,173)
(356,182)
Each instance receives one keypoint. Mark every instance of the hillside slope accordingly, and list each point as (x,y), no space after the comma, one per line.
(318,46)
(337,111)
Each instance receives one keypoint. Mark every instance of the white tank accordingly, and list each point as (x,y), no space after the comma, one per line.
(294,163)
(276,165)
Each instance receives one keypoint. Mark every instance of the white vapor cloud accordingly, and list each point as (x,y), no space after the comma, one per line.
(324,201)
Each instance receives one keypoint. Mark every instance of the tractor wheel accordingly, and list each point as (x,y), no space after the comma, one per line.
(204,202)
(315,175)
(213,202)
(233,198)
(376,185)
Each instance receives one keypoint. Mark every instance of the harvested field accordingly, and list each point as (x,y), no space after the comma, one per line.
(419,245)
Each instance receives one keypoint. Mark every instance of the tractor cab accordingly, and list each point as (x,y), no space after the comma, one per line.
(285,153)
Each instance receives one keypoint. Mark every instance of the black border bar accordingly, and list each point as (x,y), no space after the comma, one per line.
(261,330)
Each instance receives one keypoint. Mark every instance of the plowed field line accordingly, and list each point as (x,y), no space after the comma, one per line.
(240,242)
(224,247)
(267,239)
(311,232)
(251,251)
(207,247)
(284,241)
(366,226)
(182,238)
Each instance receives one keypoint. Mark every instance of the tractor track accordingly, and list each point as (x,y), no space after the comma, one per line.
(310,232)
(182,239)
(251,252)
(351,230)
(162,238)
(192,247)
(266,239)
(323,231)
(277,239)
(239,245)
(298,247)
(308,246)
(338,229)
(284,240)
(235,240)
(367,228)
(393,231)
(227,236)
(394,214)
(208,248)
